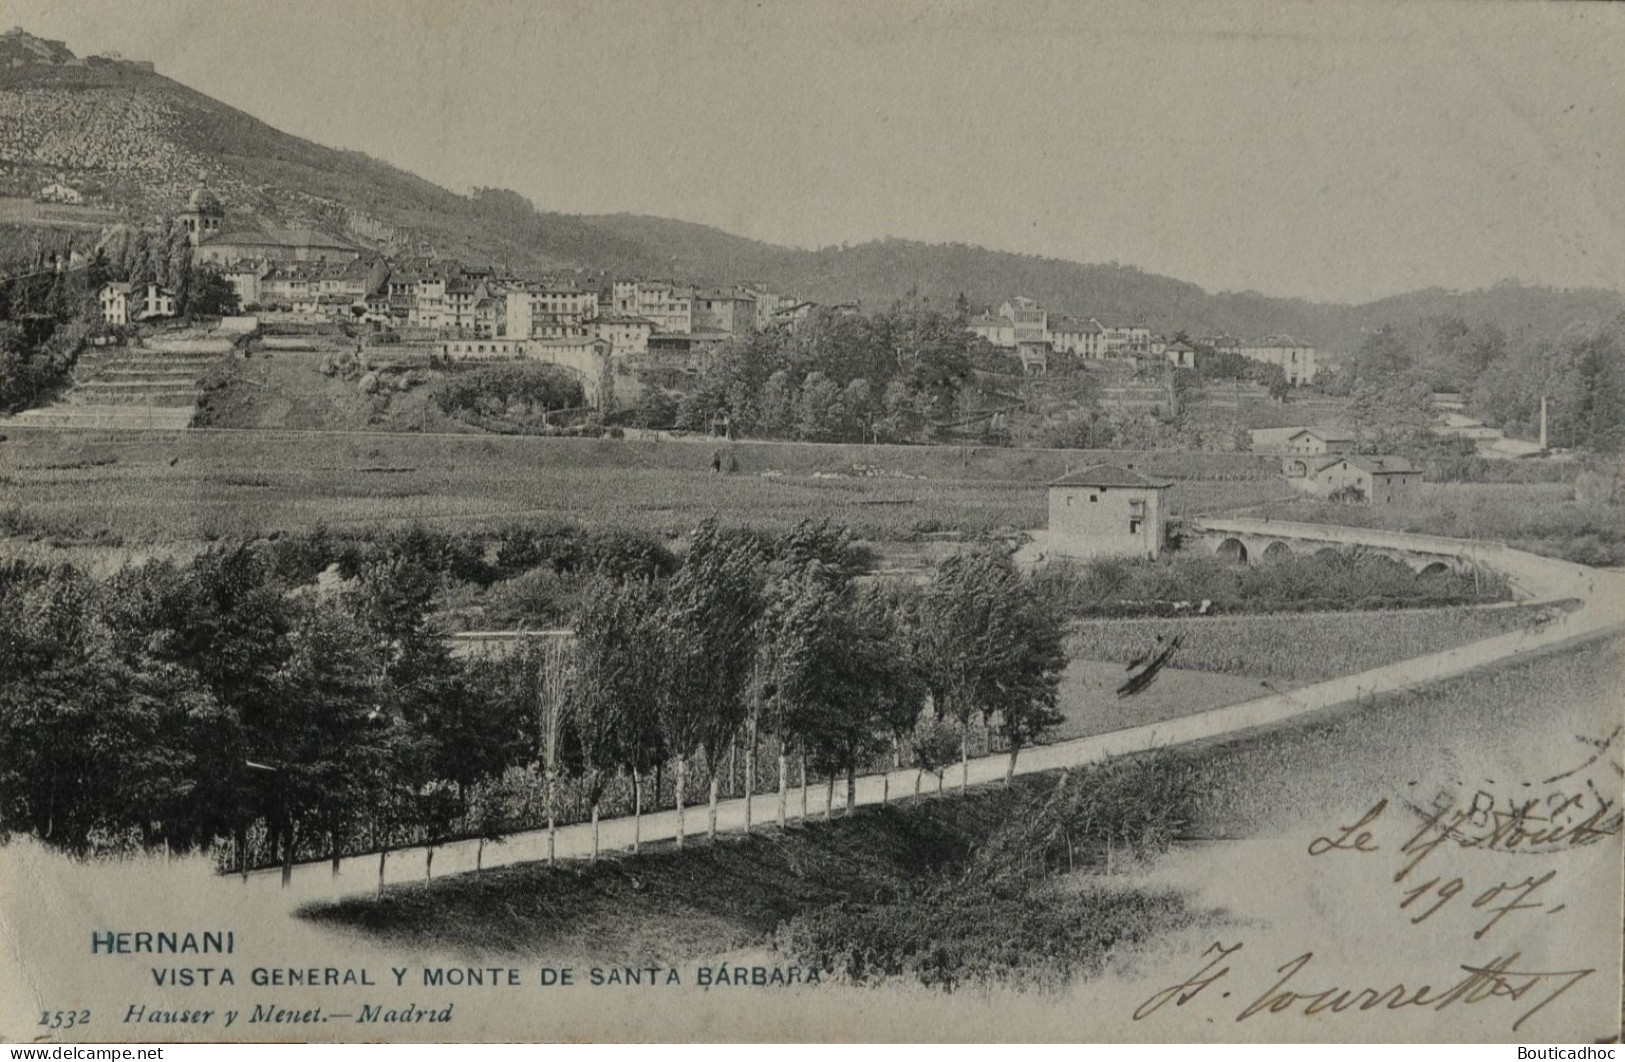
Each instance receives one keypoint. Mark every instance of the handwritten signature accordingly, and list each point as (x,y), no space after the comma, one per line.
(1494,981)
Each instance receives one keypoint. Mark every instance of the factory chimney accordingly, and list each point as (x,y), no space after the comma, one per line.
(1543,422)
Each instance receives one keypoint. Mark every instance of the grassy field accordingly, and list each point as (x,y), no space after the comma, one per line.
(1295,649)
(1542,518)
(1280,780)
(154,488)
(1088,696)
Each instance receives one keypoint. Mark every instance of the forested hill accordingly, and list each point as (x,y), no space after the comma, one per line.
(137,141)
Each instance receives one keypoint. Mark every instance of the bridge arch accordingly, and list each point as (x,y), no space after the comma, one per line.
(1433,568)
(1232,549)
(1277,550)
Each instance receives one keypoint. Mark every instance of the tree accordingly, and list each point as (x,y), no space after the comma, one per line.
(897,694)
(859,410)
(829,671)
(59,696)
(616,705)
(551,662)
(1382,353)
(777,405)
(1024,694)
(818,409)
(313,764)
(657,409)
(969,631)
(709,613)
(212,295)
(1392,414)
(933,747)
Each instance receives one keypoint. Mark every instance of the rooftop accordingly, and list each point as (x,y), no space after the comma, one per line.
(282,237)
(1326,434)
(1108,476)
(1376,464)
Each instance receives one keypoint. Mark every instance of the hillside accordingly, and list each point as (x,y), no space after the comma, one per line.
(137,143)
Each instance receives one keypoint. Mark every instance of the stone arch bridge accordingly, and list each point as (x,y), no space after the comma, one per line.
(1248,541)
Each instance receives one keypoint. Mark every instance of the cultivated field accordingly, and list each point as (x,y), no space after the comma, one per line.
(162,487)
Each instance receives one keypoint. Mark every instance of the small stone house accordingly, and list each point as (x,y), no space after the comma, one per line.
(1107,511)
(1382,480)
(1320,441)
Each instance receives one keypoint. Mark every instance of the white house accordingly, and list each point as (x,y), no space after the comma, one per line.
(122,303)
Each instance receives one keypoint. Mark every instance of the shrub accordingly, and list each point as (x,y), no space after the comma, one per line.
(1007,917)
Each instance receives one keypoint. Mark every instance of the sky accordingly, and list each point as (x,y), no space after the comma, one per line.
(1333,151)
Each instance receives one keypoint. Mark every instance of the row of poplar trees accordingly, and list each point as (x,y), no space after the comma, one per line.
(785,646)
(230,702)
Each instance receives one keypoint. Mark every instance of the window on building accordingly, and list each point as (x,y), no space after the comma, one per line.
(1094,497)
(1134,525)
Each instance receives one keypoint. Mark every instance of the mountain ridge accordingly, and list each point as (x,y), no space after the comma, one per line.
(138,141)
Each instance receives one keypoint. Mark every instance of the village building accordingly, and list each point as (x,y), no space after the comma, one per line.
(1072,336)
(1455,425)
(685,350)
(723,311)
(125,303)
(276,244)
(115,303)
(1126,339)
(670,307)
(1300,439)
(563,305)
(768,303)
(625,334)
(999,331)
(462,295)
(429,302)
(491,315)
(791,316)
(1316,441)
(244,278)
(481,349)
(518,313)
(1379,480)
(588,359)
(202,216)
(1296,358)
(375,310)
(1107,511)
(284,285)
(1030,321)
(1180,355)
(1034,356)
